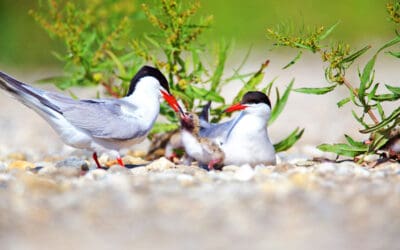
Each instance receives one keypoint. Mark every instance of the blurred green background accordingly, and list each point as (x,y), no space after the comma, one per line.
(24,43)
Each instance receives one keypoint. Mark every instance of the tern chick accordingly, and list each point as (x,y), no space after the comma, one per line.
(99,125)
(202,149)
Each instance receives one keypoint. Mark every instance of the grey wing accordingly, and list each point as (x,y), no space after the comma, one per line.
(100,118)
(219,131)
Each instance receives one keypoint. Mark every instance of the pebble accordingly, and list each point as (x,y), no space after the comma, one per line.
(245,173)
(161,164)
(117,169)
(133,160)
(16,156)
(185,180)
(47,170)
(230,168)
(21,165)
(139,171)
(325,167)
(96,174)
(73,162)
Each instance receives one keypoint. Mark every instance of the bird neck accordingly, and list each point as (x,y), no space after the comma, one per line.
(147,103)
(249,121)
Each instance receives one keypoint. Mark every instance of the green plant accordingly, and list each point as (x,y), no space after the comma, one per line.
(100,50)
(95,35)
(367,97)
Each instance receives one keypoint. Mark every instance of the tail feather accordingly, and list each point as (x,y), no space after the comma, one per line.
(25,93)
(204,115)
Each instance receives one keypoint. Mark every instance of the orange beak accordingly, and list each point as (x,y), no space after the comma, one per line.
(172,102)
(235,107)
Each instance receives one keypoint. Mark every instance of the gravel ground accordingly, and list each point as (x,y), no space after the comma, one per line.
(298,204)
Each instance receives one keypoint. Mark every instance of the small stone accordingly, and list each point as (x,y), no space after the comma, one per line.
(371,158)
(185,180)
(2,166)
(110,163)
(263,170)
(117,169)
(230,168)
(161,164)
(40,184)
(325,167)
(139,171)
(300,179)
(73,162)
(245,173)
(137,154)
(96,174)
(361,172)
(17,156)
(47,170)
(133,160)
(103,159)
(283,167)
(22,165)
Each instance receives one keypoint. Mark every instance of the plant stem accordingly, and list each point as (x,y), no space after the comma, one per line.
(369,112)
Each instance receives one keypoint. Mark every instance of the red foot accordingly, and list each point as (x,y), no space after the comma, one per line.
(120,162)
(96,160)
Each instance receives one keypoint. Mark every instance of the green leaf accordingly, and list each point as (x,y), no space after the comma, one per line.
(356,54)
(343,102)
(395,115)
(373,91)
(342,149)
(365,77)
(316,91)
(199,92)
(356,144)
(359,119)
(289,141)
(52,79)
(295,59)
(385,97)
(394,90)
(389,44)
(267,89)
(380,111)
(252,83)
(328,32)
(280,103)
(395,54)
(215,97)
(219,69)
(120,66)
(163,127)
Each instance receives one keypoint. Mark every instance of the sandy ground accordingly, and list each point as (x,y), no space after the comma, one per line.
(295,205)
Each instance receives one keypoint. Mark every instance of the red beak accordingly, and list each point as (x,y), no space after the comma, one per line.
(234,107)
(170,99)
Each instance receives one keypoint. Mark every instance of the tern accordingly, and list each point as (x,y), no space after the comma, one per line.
(99,125)
(243,139)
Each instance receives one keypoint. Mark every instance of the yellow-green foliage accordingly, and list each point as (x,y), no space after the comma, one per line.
(393,8)
(95,34)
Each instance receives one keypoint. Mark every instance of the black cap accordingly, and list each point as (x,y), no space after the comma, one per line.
(255,97)
(148,71)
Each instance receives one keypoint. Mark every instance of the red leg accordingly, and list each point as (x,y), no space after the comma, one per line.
(120,162)
(96,160)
